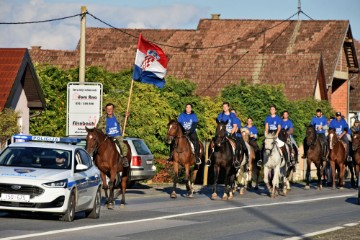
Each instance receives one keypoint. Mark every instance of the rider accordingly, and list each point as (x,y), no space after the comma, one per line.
(288,125)
(341,128)
(239,141)
(110,124)
(355,128)
(320,123)
(253,134)
(273,125)
(188,120)
(231,126)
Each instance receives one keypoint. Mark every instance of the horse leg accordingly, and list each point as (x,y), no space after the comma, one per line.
(226,188)
(351,168)
(176,178)
(318,172)
(105,186)
(124,180)
(187,180)
(216,175)
(357,169)
(275,181)
(193,178)
(111,188)
(308,173)
(266,180)
(341,175)
(333,172)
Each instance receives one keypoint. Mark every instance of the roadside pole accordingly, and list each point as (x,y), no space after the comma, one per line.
(82,45)
(206,168)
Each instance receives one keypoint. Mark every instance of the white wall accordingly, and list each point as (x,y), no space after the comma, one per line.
(24,113)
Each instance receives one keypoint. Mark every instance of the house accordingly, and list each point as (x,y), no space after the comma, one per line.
(19,86)
(310,58)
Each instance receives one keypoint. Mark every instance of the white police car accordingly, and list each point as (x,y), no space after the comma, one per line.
(54,175)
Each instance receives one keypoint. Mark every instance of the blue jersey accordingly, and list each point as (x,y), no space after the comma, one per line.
(187,120)
(339,126)
(238,123)
(273,122)
(288,124)
(112,127)
(319,121)
(230,118)
(253,130)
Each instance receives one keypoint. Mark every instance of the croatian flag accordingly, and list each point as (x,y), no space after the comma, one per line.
(150,64)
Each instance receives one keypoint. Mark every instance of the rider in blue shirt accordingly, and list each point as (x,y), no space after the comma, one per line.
(239,141)
(188,120)
(273,125)
(288,125)
(321,125)
(341,128)
(253,135)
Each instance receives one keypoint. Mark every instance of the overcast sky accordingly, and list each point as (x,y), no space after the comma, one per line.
(179,14)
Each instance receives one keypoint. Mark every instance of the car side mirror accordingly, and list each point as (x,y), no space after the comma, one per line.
(81,167)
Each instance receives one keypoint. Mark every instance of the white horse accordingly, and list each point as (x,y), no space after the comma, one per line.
(273,161)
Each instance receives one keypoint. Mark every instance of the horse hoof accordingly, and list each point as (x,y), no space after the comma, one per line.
(214,196)
(224,198)
(110,206)
(191,195)
(307,187)
(122,205)
(173,195)
(341,188)
(242,191)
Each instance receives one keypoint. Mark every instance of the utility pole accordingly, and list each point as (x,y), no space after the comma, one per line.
(299,9)
(82,45)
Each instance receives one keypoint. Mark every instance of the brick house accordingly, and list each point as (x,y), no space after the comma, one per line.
(310,58)
(20,89)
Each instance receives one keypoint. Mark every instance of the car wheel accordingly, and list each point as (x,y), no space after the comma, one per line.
(95,211)
(69,215)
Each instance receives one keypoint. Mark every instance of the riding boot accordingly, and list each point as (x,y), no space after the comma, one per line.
(245,151)
(170,158)
(197,152)
(324,150)
(306,148)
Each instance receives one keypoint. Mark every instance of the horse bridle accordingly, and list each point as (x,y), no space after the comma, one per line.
(97,145)
(314,139)
(273,143)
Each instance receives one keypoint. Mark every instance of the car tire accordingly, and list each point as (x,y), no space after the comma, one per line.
(95,211)
(69,214)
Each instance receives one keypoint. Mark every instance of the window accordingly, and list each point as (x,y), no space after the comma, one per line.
(141,147)
(86,160)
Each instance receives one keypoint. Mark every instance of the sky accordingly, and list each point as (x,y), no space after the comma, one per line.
(158,14)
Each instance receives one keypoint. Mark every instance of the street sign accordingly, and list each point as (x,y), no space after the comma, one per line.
(84,104)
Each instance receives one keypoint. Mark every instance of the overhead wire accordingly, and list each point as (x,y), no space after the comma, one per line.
(41,21)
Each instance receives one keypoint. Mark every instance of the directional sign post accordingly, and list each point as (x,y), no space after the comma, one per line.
(84,104)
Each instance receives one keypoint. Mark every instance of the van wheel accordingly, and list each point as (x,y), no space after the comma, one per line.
(95,211)
(69,215)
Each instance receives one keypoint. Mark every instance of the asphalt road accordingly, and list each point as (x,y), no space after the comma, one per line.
(151,214)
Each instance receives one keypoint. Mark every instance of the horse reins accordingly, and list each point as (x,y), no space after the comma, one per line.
(97,146)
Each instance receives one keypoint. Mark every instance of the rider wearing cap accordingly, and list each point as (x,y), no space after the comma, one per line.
(355,128)
(320,123)
(341,128)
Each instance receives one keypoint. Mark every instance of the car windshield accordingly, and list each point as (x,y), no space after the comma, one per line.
(141,147)
(36,157)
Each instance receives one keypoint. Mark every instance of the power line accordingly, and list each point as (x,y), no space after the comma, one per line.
(40,21)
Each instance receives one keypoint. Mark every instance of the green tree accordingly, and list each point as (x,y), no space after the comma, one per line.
(8,125)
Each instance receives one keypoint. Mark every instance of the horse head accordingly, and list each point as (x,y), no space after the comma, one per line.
(220,132)
(269,143)
(310,135)
(174,130)
(355,140)
(284,136)
(333,138)
(92,139)
(245,134)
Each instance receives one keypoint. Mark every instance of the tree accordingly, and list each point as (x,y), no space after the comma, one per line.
(8,125)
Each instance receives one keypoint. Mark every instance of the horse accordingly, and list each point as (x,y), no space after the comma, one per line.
(356,152)
(292,154)
(246,172)
(183,155)
(337,155)
(273,161)
(107,159)
(223,158)
(314,155)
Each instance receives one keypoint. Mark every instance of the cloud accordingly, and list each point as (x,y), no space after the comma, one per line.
(65,34)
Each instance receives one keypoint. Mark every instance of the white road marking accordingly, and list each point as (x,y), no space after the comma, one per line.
(350,224)
(314,233)
(174,216)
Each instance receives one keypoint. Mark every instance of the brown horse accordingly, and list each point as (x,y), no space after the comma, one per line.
(223,158)
(356,152)
(314,155)
(107,158)
(337,154)
(183,155)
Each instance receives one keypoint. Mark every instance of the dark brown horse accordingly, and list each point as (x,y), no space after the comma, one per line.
(107,158)
(356,152)
(223,158)
(183,156)
(337,154)
(314,155)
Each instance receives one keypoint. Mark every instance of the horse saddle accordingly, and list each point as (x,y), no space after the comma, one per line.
(232,143)
(191,145)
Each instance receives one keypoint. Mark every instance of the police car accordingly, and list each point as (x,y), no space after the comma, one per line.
(49,174)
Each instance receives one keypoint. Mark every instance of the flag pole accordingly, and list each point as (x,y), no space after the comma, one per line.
(128,107)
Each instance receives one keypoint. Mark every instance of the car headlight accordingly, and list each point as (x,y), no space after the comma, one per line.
(57,184)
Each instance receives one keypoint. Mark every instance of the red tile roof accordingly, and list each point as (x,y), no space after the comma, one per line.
(15,69)
(355,86)
(287,52)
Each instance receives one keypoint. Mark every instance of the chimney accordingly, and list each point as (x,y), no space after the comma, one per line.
(35,47)
(215,16)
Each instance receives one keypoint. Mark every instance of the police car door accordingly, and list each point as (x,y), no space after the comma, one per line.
(82,182)
(93,175)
